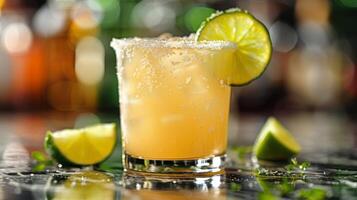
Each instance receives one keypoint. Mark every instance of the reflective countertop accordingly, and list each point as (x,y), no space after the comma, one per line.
(326,168)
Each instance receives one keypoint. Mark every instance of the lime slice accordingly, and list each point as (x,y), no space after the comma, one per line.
(84,146)
(83,185)
(253,43)
(275,142)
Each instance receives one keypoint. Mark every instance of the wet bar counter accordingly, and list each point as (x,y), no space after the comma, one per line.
(326,168)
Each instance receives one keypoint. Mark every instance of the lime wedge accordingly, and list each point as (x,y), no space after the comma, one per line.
(254,46)
(275,142)
(84,146)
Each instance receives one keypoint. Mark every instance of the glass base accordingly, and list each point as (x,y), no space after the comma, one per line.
(175,168)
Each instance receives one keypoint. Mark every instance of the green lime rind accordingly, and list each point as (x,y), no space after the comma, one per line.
(214,15)
(55,153)
(275,143)
(249,57)
(278,152)
(60,157)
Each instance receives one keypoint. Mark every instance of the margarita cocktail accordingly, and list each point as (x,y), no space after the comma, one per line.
(173,108)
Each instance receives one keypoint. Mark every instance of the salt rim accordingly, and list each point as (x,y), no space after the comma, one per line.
(177,42)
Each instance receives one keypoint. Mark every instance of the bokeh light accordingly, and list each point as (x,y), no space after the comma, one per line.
(17,37)
(89,61)
(321,81)
(156,15)
(2,3)
(48,21)
(313,34)
(86,14)
(62,4)
(86,119)
(317,11)
(86,17)
(284,37)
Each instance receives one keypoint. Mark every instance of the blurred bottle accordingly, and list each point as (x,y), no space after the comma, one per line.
(24,71)
(61,89)
(71,63)
(315,70)
(315,77)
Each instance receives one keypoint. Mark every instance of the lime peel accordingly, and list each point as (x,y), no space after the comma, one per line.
(254,47)
(275,142)
(86,146)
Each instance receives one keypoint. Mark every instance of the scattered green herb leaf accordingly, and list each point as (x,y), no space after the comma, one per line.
(39,167)
(243,151)
(41,161)
(294,161)
(266,196)
(38,156)
(312,194)
(286,187)
(294,165)
(304,165)
(260,171)
(235,187)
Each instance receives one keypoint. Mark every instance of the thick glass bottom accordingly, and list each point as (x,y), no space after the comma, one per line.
(175,168)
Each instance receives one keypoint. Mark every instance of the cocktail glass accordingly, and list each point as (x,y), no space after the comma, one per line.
(173,107)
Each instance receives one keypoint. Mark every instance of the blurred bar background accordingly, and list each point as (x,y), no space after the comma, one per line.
(55,54)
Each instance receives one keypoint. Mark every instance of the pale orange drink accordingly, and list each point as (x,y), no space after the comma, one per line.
(174,109)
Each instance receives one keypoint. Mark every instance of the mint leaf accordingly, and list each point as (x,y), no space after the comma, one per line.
(38,156)
(312,194)
(41,161)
